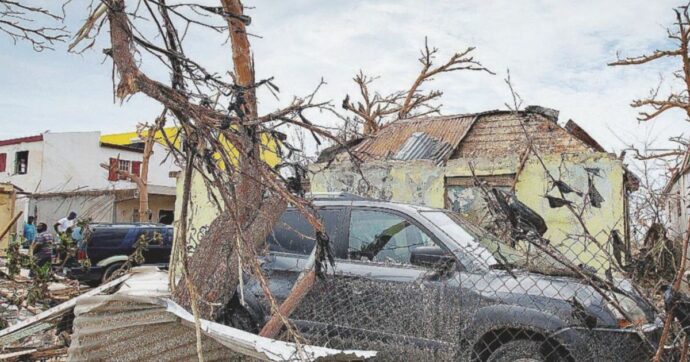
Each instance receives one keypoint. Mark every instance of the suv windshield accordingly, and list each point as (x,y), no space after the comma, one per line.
(486,248)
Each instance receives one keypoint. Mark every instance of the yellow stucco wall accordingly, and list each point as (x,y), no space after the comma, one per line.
(418,182)
(565,231)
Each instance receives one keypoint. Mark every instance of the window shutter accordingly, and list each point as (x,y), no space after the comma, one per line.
(136,167)
(3,162)
(112,175)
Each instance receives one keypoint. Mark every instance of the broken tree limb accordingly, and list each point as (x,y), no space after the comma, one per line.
(10,296)
(302,286)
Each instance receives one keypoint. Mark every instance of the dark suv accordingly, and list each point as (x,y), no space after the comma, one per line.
(110,245)
(417,283)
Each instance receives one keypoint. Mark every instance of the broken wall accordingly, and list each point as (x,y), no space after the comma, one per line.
(676,206)
(605,172)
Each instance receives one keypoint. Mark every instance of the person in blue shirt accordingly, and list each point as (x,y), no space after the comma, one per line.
(30,230)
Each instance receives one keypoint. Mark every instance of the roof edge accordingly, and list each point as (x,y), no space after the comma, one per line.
(16,141)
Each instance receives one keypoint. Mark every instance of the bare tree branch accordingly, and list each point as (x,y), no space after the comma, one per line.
(18,21)
(374,109)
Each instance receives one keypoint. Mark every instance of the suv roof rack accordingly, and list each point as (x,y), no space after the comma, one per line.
(335,196)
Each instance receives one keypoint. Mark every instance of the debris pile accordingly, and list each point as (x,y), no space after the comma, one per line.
(19,305)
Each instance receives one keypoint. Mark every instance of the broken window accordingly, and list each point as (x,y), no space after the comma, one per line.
(166,216)
(382,236)
(462,195)
(21,162)
(3,162)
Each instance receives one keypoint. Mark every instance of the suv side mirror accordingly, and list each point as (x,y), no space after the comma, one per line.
(430,257)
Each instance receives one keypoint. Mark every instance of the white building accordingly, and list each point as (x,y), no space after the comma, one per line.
(59,172)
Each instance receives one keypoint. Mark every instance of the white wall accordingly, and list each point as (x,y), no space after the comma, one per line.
(68,161)
(51,209)
(72,161)
(30,181)
(160,167)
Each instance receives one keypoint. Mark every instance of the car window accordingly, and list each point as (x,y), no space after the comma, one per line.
(383,237)
(107,237)
(294,234)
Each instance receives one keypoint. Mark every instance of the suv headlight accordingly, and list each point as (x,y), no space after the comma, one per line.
(635,314)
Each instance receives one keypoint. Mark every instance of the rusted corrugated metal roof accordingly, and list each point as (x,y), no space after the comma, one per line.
(442,135)
(487,134)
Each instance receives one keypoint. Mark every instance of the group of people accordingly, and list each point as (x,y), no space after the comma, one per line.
(41,241)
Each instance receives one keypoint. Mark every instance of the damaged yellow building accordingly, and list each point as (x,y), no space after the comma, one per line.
(431,161)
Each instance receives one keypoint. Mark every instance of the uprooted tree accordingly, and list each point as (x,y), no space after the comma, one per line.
(222,135)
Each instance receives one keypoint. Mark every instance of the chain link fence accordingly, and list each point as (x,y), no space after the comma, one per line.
(422,284)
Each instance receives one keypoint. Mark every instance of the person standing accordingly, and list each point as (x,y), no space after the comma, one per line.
(66,222)
(42,245)
(29,231)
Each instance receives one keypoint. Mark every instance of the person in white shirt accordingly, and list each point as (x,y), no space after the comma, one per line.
(66,222)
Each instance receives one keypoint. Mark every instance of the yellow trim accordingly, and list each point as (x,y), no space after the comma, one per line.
(268,149)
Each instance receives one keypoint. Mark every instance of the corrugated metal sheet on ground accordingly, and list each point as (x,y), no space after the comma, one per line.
(138,323)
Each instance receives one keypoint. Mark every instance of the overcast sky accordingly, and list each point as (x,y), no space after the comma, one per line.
(556,51)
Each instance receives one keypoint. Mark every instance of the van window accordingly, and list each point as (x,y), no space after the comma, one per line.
(107,237)
(294,234)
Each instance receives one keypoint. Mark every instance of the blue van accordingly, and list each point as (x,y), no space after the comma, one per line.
(110,245)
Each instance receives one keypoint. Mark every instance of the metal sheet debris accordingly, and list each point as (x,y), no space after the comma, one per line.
(37,322)
(140,323)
